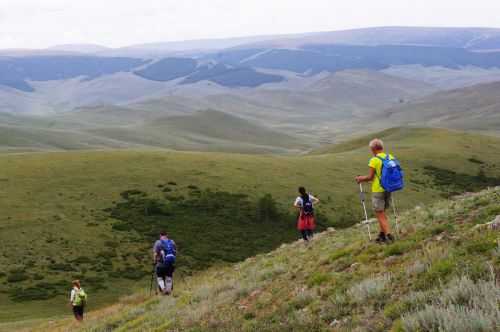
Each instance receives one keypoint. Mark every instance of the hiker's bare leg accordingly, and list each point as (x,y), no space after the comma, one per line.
(383,222)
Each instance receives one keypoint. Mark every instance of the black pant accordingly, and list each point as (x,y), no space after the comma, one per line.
(165,270)
(307,234)
(78,311)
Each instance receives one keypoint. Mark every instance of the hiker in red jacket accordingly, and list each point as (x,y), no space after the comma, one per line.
(306,223)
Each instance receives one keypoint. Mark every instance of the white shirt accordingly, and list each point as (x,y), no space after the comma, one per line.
(73,294)
(300,202)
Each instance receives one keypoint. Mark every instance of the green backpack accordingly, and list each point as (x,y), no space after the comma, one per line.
(80,298)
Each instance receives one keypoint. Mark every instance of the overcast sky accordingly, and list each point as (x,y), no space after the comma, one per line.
(42,23)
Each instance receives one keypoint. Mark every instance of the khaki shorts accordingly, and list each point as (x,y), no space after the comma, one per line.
(381,201)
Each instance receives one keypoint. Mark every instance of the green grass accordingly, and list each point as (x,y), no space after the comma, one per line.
(71,214)
(300,288)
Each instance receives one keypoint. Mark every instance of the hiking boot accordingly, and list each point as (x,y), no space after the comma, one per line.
(390,238)
(381,238)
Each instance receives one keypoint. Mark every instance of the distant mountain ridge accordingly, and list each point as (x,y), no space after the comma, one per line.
(321,87)
(468,38)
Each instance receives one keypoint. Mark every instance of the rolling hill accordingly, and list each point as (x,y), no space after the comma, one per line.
(93,214)
(119,127)
(475,108)
(322,87)
(205,131)
(303,107)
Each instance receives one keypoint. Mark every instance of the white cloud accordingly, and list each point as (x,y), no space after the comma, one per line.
(40,23)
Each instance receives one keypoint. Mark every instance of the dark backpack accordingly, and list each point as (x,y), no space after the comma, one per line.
(392,176)
(167,251)
(307,205)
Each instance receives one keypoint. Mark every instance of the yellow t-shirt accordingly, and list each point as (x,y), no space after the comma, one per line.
(376,164)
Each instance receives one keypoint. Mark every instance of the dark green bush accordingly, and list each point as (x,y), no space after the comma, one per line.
(480,247)
(17,276)
(82,260)
(111,244)
(133,193)
(31,294)
(38,276)
(61,267)
(210,226)
(398,248)
(266,209)
(475,161)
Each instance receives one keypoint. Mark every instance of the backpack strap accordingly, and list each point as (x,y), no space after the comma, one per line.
(382,167)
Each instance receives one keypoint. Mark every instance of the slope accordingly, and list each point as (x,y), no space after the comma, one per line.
(206,131)
(441,274)
(93,214)
(475,108)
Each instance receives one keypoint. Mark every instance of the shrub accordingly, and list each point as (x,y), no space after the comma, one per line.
(61,267)
(463,306)
(338,254)
(266,208)
(438,229)
(480,247)
(133,193)
(439,271)
(249,315)
(129,273)
(82,260)
(398,248)
(31,294)
(302,300)
(38,276)
(111,244)
(369,288)
(475,161)
(317,279)
(17,276)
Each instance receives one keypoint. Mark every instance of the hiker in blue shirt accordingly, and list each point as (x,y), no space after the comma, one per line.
(164,255)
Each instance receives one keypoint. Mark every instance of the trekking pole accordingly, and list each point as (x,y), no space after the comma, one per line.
(362,197)
(152,281)
(395,214)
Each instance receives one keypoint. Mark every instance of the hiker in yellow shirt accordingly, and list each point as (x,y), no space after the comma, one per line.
(380,198)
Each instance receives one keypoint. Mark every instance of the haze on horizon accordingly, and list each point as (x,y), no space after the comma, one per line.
(116,23)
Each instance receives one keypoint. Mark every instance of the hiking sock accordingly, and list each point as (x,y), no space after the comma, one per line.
(168,286)
(161,284)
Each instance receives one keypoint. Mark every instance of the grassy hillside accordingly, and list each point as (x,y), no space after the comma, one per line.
(446,78)
(84,214)
(206,131)
(475,108)
(441,274)
(120,127)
